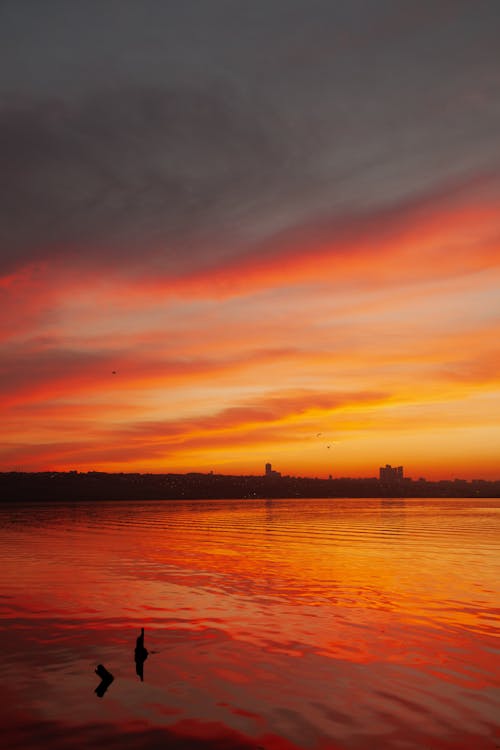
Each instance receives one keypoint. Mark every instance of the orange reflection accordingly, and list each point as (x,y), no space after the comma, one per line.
(302,622)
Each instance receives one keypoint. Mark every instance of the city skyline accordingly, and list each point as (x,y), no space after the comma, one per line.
(16,487)
(240,232)
(387,475)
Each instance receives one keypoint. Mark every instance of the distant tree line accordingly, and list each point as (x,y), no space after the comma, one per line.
(50,486)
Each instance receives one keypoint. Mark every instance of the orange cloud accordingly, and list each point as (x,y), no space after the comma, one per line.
(382,324)
(451,233)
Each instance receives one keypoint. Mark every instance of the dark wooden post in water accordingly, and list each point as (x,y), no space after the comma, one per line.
(140,655)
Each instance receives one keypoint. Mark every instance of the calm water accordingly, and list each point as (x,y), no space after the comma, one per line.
(279,624)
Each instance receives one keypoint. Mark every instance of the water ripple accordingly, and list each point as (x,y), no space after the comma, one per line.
(281,624)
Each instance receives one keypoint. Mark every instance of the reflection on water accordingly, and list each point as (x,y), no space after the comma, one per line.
(321,624)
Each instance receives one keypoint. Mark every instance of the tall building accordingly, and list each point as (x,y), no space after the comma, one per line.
(270,472)
(390,474)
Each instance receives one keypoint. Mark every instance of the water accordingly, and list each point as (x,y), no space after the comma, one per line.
(284,624)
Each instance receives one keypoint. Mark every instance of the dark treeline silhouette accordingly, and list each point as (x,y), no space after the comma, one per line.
(94,485)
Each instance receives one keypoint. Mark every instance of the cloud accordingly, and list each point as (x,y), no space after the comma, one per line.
(31,373)
(280,417)
(272,408)
(215,204)
(180,180)
(449,231)
(124,173)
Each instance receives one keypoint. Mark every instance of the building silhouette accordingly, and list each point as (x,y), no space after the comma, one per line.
(390,474)
(270,471)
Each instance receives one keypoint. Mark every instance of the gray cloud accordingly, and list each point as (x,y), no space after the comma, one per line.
(176,135)
(133,170)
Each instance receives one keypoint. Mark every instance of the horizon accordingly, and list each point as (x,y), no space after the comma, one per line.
(280,475)
(227,234)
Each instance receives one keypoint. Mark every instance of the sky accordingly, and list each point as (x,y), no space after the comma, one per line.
(236,232)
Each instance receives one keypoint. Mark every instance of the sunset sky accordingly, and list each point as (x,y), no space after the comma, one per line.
(239,231)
